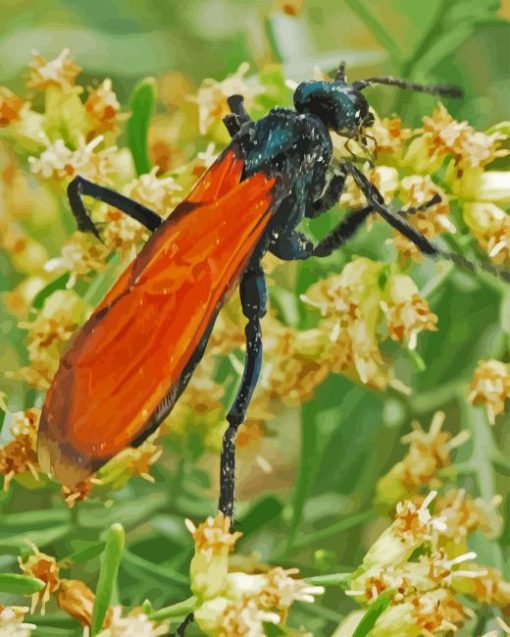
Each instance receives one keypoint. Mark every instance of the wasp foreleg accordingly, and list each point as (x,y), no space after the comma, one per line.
(254,300)
(329,197)
(295,245)
(80,186)
(424,244)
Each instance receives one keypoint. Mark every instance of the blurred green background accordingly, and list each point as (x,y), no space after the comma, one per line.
(334,449)
(461,41)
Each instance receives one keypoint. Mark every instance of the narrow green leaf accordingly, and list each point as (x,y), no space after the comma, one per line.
(142,103)
(20,584)
(331,531)
(374,611)
(307,468)
(366,14)
(110,562)
(28,521)
(155,571)
(86,553)
(17,542)
(259,514)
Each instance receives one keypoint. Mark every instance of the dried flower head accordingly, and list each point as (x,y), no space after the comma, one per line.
(46,568)
(10,107)
(77,600)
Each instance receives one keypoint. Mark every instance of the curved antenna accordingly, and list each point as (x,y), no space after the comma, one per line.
(434,89)
(340,74)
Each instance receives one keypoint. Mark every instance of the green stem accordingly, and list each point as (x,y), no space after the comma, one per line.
(407,68)
(181,609)
(334,579)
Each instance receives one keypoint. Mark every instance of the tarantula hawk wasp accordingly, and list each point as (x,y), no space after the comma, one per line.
(134,356)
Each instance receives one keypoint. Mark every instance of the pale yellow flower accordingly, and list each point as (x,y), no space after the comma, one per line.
(160,194)
(412,527)
(209,566)
(59,162)
(490,386)
(82,254)
(236,604)
(429,451)
(463,514)
(390,138)
(62,313)
(103,107)
(133,461)
(407,313)
(19,456)
(470,148)
(12,624)
(490,224)
(212,96)
(61,71)
(134,624)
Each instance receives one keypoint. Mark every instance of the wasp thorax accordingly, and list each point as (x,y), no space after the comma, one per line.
(339,105)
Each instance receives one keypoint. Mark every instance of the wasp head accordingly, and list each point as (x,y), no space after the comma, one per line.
(338,104)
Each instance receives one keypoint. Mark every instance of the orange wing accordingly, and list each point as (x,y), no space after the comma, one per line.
(129,357)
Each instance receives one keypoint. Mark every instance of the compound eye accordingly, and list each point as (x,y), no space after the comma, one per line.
(362,112)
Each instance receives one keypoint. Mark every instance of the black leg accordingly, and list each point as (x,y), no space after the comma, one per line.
(426,246)
(329,198)
(254,300)
(295,245)
(80,186)
(238,115)
(180,631)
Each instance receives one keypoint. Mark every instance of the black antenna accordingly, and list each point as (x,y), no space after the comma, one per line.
(434,89)
(340,74)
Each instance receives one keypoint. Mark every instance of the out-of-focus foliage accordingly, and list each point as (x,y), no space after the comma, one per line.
(337,478)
